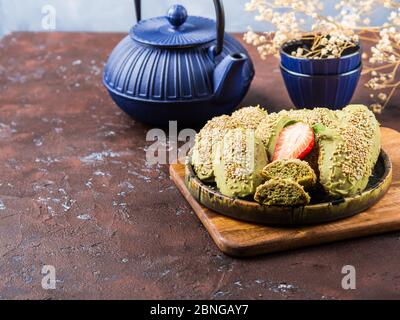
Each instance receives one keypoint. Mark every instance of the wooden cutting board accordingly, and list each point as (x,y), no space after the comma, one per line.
(238,238)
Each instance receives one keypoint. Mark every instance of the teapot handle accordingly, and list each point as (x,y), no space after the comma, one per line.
(138,8)
(220,14)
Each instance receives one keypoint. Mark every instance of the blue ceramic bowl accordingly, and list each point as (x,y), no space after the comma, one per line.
(348,62)
(330,91)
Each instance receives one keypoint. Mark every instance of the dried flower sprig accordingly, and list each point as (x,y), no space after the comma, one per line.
(383,64)
(289,19)
(330,37)
(325,46)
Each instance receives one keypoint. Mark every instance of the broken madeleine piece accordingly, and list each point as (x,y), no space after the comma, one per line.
(297,170)
(281,192)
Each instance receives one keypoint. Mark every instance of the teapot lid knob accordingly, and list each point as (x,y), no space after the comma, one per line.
(177,15)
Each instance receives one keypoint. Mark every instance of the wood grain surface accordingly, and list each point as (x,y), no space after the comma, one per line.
(238,238)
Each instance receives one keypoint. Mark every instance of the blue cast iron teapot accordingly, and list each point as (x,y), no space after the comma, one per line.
(178,67)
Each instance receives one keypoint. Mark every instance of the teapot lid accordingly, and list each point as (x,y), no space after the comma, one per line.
(174,30)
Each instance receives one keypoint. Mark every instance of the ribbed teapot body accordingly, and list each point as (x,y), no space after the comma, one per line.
(154,74)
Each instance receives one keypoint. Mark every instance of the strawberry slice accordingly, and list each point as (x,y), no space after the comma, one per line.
(294,142)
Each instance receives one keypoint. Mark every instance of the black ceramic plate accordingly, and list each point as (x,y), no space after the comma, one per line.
(322,208)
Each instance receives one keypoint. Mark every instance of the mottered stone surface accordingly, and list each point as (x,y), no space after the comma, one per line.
(76,193)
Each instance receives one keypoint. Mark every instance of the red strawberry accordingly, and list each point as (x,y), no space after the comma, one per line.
(294,142)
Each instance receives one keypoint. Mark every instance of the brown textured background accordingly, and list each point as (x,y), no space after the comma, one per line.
(76,193)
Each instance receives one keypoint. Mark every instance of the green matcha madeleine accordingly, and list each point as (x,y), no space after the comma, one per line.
(237,162)
(249,117)
(268,130)
(324,116)
(348,152)
(364,120)
(294,169)
(281,192)
(205,141)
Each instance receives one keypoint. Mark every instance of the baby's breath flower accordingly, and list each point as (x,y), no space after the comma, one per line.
(382,96)
(376,108)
